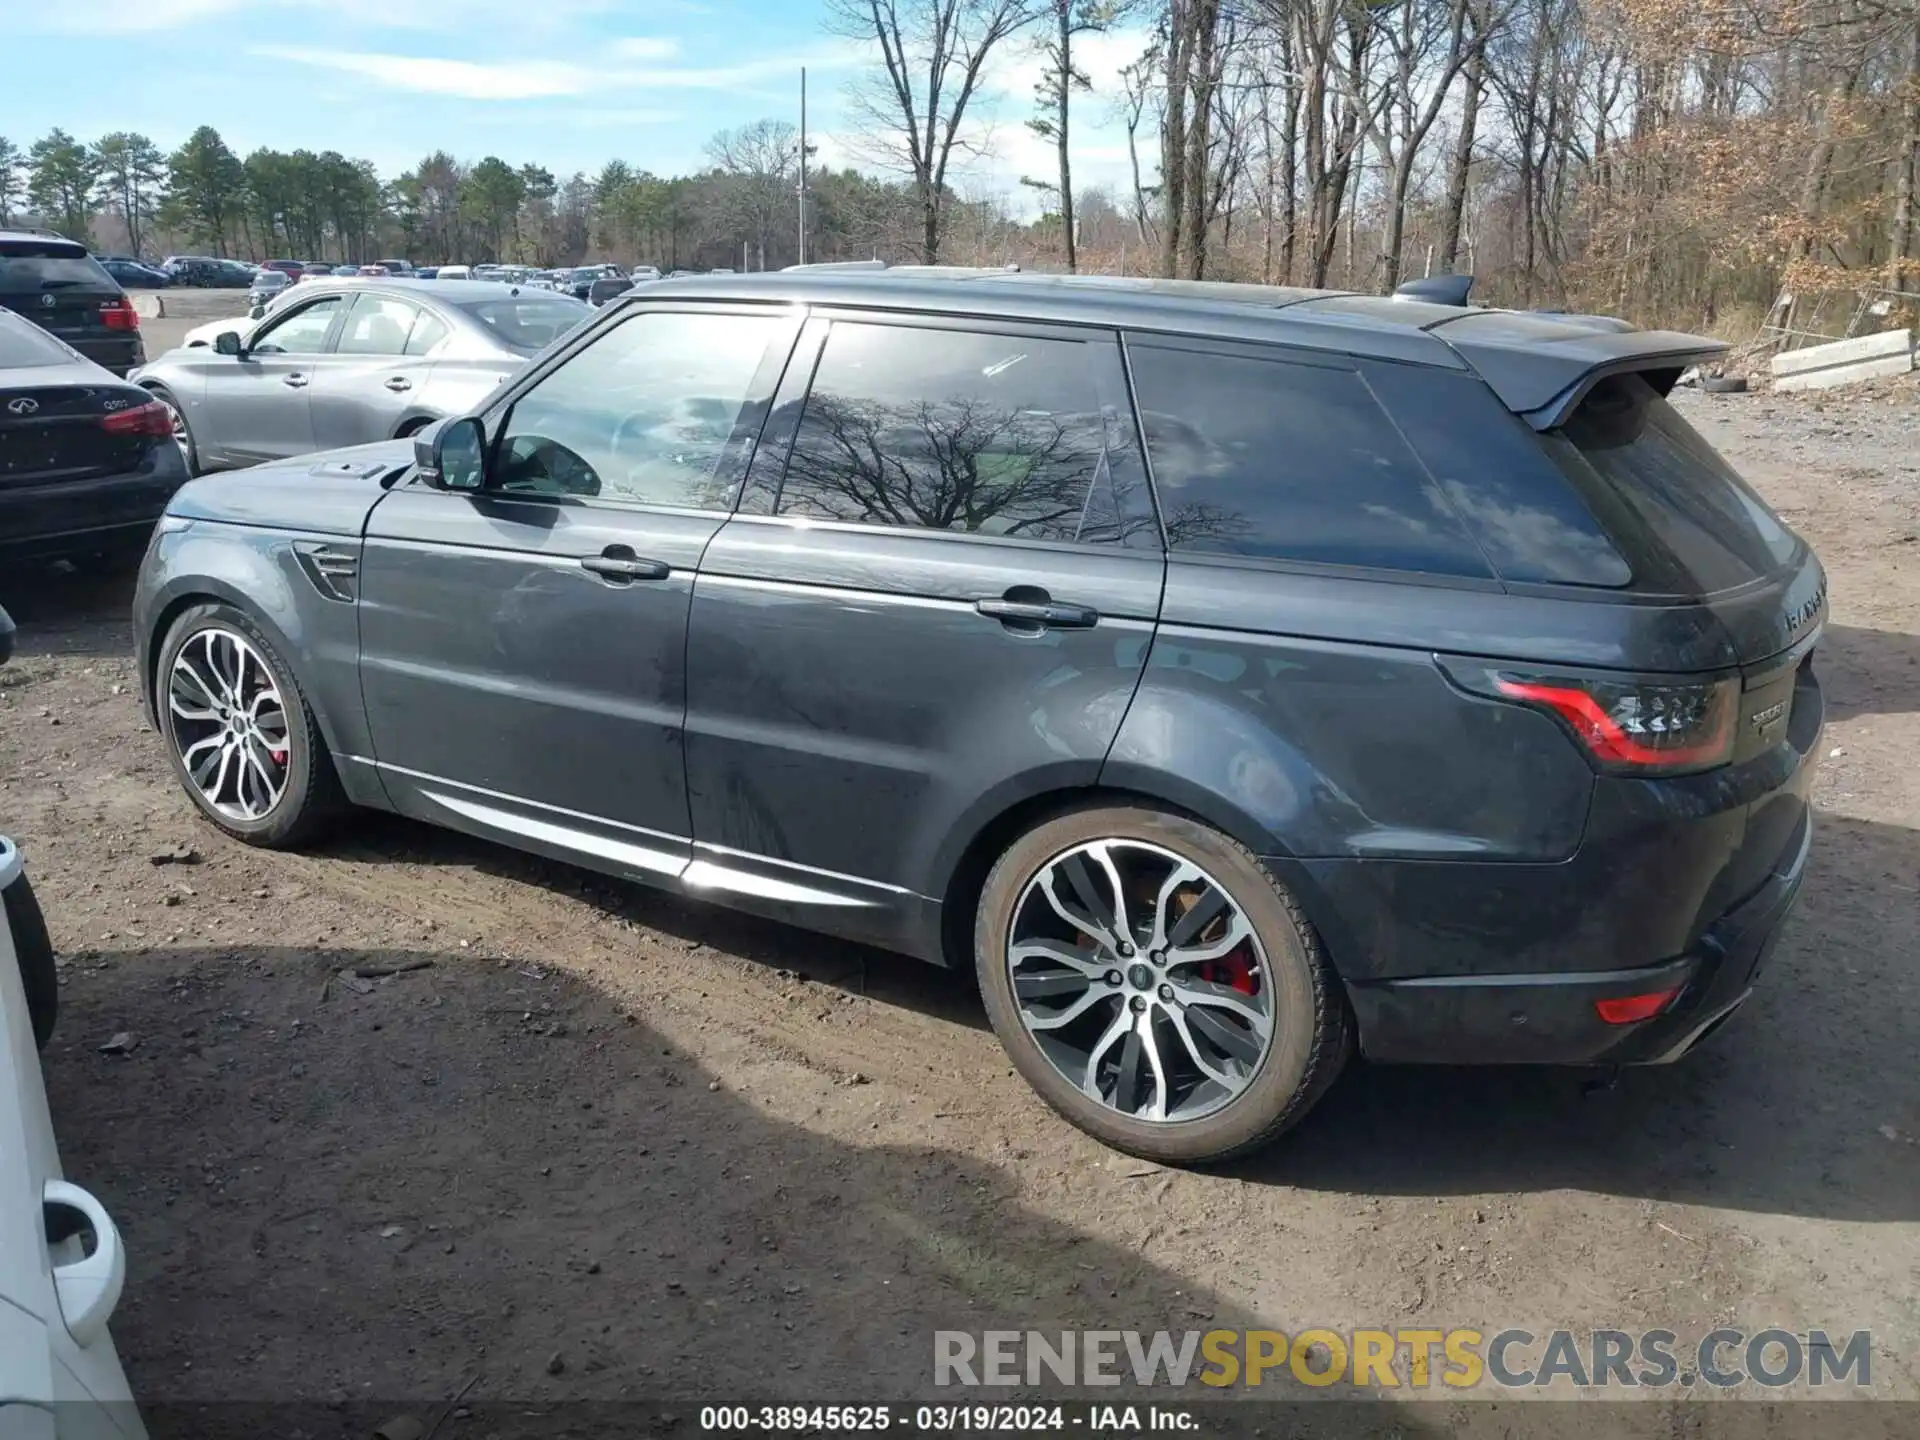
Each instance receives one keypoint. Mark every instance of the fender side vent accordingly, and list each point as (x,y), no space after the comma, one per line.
(333,571)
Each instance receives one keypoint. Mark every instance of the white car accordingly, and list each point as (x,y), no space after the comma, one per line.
(59,1376)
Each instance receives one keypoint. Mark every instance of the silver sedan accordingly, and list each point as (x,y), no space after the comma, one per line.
(349,362)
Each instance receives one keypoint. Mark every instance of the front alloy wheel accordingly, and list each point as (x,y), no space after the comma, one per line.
(241,736)
(1140,980)
(229,724)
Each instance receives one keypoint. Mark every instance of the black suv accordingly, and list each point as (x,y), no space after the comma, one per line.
(61,288)
(1230,674)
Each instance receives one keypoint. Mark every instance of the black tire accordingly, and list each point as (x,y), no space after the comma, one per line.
(311,798)
(189,447)
(34,949)
(1311,1028)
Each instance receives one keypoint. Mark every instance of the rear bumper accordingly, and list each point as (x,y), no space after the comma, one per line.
(74,517)
(119,352)
(1550,1018)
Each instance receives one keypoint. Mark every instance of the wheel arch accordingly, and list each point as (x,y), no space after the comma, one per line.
(989,839)
(413,422)
(209,589)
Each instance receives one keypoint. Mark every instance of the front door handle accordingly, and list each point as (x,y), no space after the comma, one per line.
(294,382)
(1045,614)
(398,382)
(618,564)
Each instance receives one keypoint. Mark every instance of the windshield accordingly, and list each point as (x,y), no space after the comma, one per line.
(1636,456)
(48,265)
(527,323)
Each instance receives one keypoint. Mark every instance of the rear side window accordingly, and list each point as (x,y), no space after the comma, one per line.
(1282,460)
(1704,528)
(1530,522)
(49,265)
(428,331)
(929,429)
(377,325)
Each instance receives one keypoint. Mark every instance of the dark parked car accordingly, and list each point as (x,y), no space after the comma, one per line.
(87,461)
(607,287)
(1231,675)
(133,275)
(61,288)
(205,272)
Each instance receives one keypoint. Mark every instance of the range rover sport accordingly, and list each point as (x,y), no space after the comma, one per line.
(1234,676)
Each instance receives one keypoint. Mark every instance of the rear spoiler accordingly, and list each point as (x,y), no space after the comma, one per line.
(1542,366)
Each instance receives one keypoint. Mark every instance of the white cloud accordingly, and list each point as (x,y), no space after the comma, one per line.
(645,47)
(531,79)
(107,17)
(469,79)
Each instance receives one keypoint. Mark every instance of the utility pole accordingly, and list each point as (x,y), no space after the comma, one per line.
(803,164)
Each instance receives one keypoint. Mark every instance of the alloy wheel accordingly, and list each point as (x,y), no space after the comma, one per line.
(229,724)
(1140,979)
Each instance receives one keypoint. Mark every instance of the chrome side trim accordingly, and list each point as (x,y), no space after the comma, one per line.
(705,875)
(832,592)
(697,874)
(585,842)
(422,776)
(748,855)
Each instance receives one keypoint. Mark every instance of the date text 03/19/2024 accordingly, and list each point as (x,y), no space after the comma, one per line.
(944,1419)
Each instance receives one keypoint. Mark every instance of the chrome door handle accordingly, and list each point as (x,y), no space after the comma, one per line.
(1051,615)
(398,383)
(294,382)
(625,568)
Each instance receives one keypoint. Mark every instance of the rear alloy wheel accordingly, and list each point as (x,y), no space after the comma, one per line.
(182,434)
(241,736)
(1156,984)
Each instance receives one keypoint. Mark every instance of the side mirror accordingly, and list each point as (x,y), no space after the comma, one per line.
(227,342)
(256,312)
(453,454)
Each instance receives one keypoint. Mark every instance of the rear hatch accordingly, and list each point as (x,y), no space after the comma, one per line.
(1692,531)
(61,288)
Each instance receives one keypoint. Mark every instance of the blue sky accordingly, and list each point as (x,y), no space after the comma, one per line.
(567,84)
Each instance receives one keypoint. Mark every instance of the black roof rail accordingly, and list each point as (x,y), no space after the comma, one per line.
(1437,289)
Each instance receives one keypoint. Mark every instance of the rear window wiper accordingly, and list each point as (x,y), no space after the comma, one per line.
(58,284)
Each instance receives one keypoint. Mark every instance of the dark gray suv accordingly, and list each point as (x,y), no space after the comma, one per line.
(1232,675)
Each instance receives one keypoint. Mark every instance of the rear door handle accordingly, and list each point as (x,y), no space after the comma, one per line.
(620,565)
(1050,614)
(399,382)
(295,382)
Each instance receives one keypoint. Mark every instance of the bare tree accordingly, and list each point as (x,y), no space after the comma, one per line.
(1065,21)
(759,162)
(933,57)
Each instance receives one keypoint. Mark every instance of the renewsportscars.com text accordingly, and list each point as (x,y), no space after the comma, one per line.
(1415,1359)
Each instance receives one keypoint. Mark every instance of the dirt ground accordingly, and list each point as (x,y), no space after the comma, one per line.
(611,1144)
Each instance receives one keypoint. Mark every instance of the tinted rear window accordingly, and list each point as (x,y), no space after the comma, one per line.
(1672,496)
(1278,459)
(1531,523)
(48,264)
(529,322)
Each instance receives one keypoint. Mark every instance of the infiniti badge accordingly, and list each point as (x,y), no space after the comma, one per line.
(25,405)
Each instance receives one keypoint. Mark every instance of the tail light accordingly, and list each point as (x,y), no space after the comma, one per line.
(1632,1009)
(1626,725)
(150,419)
(118,314)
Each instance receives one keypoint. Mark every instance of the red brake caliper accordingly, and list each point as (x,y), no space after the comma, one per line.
(1233,969)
